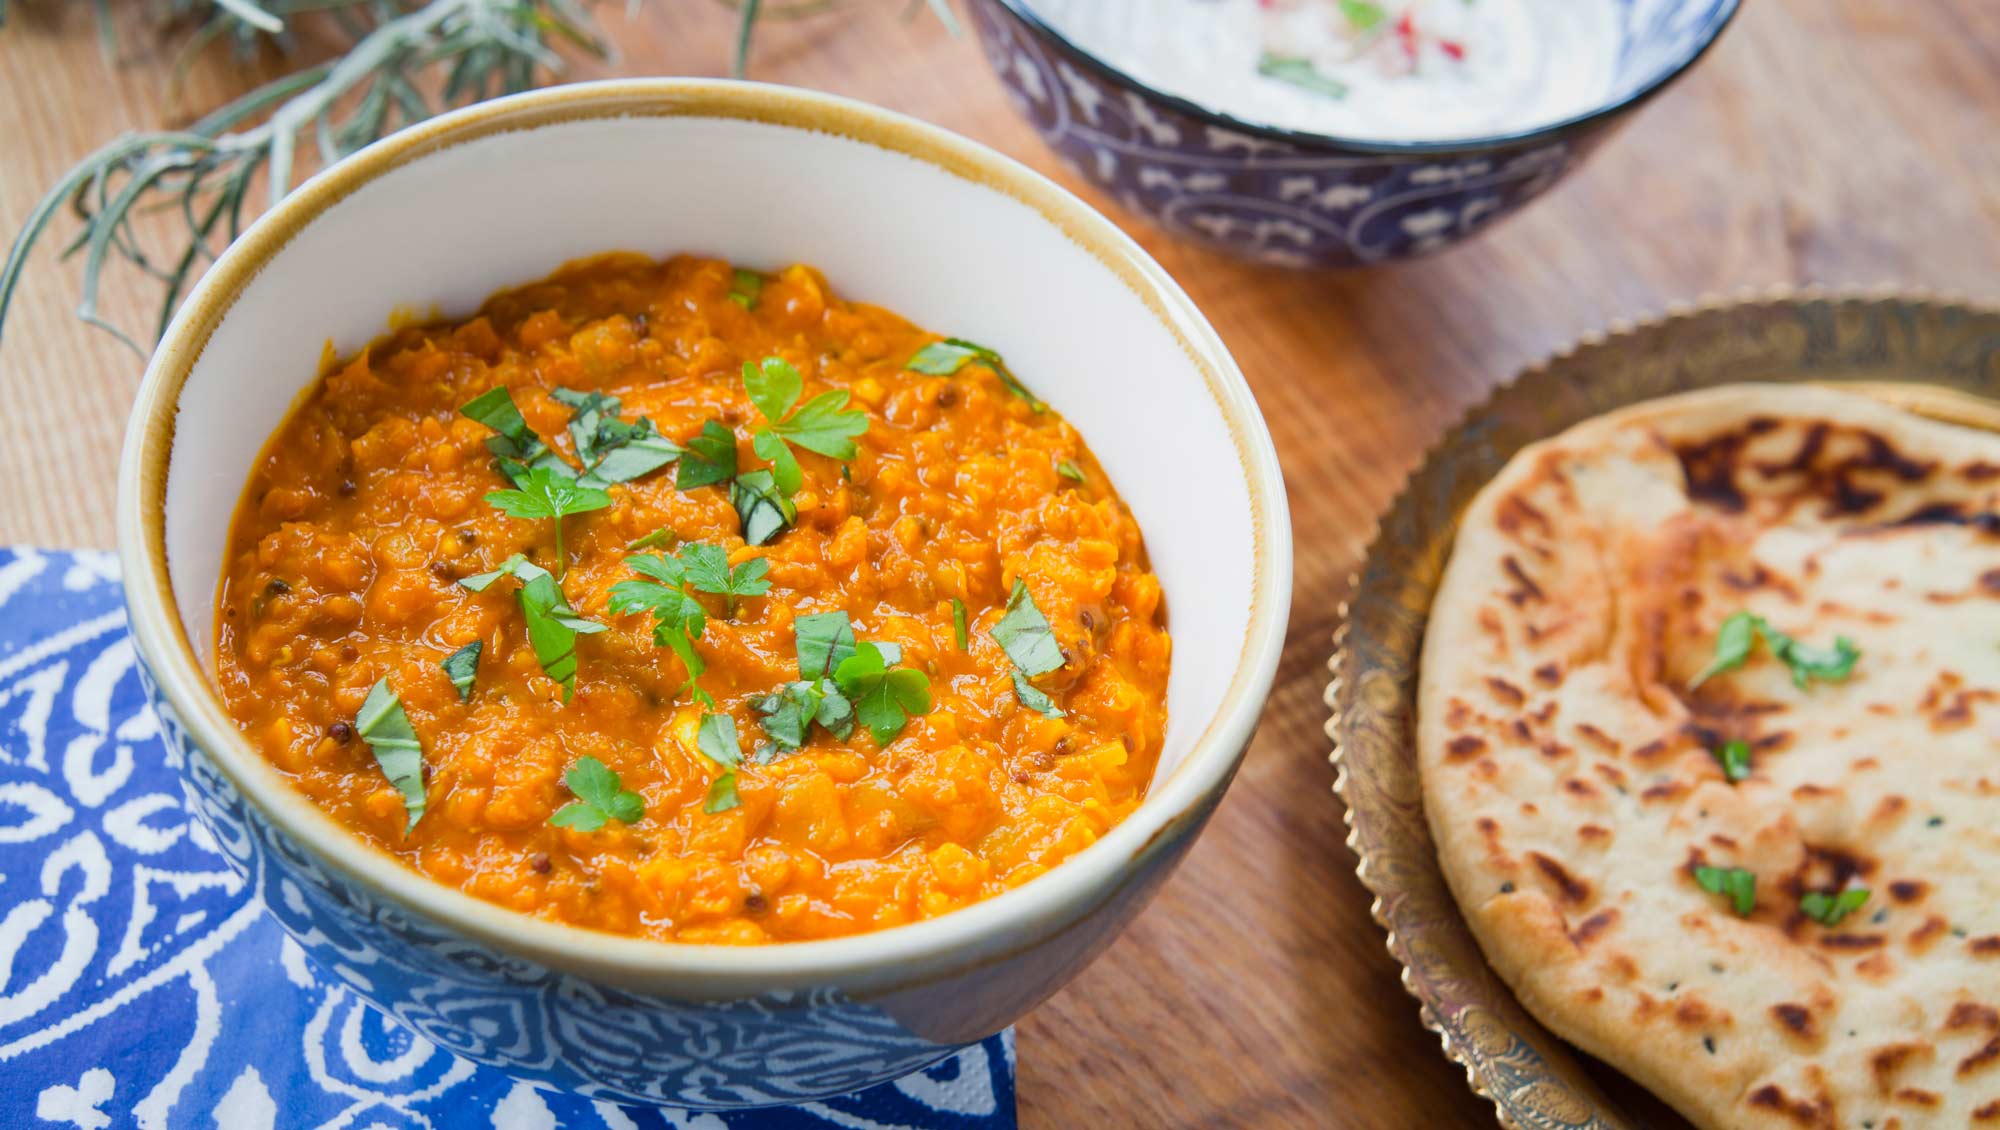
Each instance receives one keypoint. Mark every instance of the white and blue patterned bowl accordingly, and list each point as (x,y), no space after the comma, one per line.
(895,212)
(1302,199)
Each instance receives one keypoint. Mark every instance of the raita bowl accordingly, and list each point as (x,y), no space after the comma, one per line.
(1298,199)
(894,212)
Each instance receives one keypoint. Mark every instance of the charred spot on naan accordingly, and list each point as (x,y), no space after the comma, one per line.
(1779,465)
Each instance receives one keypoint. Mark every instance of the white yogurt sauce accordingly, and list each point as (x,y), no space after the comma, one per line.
(1426,70)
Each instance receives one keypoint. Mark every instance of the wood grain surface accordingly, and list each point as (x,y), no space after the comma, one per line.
(1849,143)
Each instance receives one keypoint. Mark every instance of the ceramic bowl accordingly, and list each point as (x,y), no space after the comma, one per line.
(1302,199)
(895,212)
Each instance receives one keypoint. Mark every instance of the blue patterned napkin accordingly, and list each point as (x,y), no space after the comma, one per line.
(140,987)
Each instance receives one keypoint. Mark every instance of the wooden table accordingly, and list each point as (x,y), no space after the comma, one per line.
(1849,143)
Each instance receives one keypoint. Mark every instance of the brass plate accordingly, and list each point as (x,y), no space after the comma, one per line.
(1936,358)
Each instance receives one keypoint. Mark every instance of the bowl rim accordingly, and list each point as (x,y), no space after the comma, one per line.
(983,933)
(1023,11)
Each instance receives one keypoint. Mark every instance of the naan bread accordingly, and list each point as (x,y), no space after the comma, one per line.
(1571,789)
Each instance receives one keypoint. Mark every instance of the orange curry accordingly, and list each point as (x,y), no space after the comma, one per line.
(835,627)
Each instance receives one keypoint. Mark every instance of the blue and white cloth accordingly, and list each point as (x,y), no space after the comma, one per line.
(140,987)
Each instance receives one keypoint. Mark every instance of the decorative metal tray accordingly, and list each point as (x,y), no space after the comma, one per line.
(1937,358)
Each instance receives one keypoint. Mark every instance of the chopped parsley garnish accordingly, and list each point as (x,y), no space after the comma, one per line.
(787,714)
(744,287)
(710,458)
(662,538)
(1735,759)
(546,493)
(884,695)
(944,358)
(678,618)
(1738,884)
(958,629)
(552,624)
(461,667)
(1828,910)
(717,741)
(614,451)
(823,640)
(600,797)
(1034,698)
(763,509)
(387,730)
(1296,70)
(1739,633)
(707,569)
(1069,470)
(517,448)
(1024,634)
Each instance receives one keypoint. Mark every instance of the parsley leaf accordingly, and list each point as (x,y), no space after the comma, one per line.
(517,448)
(825,424)
(1740,885)
(774,386)
(545,493)
(662,538)
(1740,632)
(678,619)
(1299,71)
(958,631)
(744,287)
(710,458)
(600,797)
(614,450)
(717,741)
(707,569)
(785,469)
(462,666)
(762,508)
(944,358)
(1033,697)
(787,713)
(824,640)
(1024,634)
(1364,15)
(1734,757)
(390,737)
(884,697)
(552,624)
(1071,471)
(1828,910)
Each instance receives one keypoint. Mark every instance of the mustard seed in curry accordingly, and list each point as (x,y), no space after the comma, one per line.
(680,601)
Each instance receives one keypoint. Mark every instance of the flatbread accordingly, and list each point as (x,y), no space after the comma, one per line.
(1570,784)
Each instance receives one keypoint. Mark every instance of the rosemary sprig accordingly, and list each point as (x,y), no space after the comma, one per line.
(480,47)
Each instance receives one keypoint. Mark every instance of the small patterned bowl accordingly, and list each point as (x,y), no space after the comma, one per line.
(1300,199)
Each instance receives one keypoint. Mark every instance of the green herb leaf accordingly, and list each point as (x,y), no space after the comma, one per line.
(884,697)
(1833,664)
(787,713)
(387,730)
(958,630)
(547,494)
(826,425)
(1033,698)
(1024,634)
(517,449)
(552,624)
(1740,885)
(716,739)
(744,287)
(774,386)
(1735,759)
(944,358)
(1828,910)
(600,797)
(785,469)
(762,509)
(1732,646)
(836,711)
(710,458)
(1069,470)
(678,619)
(1363,15)
(721,795)
(662,538)
(824,640)
(707,569)
(462,666)
(1295,70)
